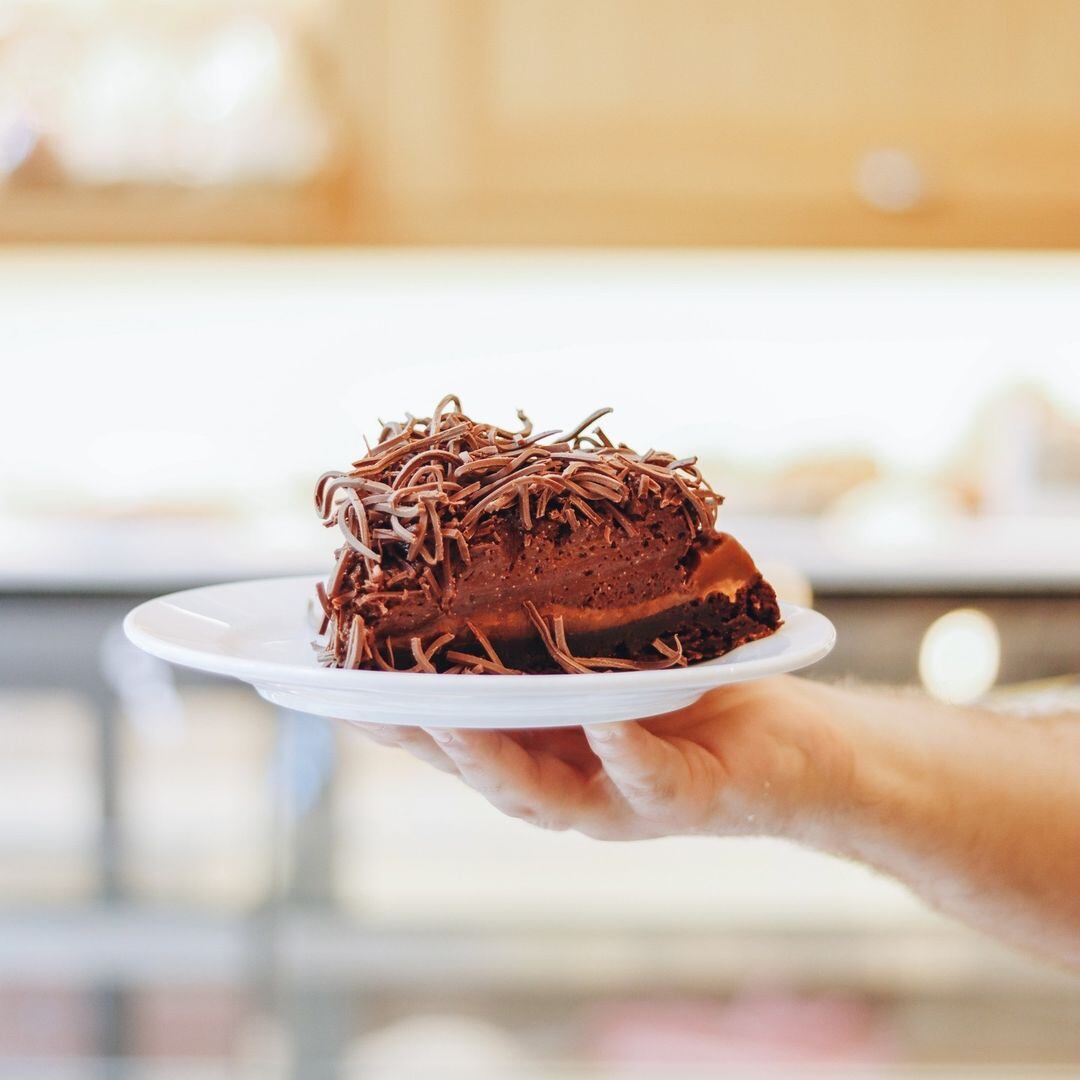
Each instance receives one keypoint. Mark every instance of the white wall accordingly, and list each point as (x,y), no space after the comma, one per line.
(222,373)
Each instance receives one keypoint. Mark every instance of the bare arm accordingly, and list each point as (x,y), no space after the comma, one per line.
(978,813)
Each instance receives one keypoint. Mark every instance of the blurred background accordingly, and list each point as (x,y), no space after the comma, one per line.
(828,246)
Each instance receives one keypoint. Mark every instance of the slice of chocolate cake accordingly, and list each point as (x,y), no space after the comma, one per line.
(469,548)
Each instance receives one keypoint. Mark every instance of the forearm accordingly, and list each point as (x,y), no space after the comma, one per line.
(978,813)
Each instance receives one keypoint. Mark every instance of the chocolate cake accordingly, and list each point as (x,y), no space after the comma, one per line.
(470,548)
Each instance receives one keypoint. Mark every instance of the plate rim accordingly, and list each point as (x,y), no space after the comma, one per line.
(275,673)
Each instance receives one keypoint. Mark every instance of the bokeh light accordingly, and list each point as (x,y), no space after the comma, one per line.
(960,656)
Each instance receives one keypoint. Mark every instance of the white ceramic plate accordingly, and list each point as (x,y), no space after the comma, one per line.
(259,632)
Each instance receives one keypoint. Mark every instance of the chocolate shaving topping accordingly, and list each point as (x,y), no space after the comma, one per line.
(411,508)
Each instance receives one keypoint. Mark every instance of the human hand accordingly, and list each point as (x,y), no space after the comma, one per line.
(755,758)
(976,812)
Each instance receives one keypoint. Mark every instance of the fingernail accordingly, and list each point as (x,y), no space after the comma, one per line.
(441,735)
(603,732)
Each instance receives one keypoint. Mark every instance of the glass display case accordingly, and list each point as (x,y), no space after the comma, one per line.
(193,884)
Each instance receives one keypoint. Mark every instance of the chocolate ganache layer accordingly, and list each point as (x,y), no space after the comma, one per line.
(470,548)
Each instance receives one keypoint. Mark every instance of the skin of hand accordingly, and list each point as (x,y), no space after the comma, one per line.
(978,813)
(712,768)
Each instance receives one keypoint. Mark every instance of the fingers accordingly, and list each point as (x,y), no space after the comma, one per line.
(569,744)
(529,784)
(650,772)
(617,782)
(415,740)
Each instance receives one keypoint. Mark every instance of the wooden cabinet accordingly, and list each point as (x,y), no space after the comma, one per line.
(867,122)
(668,122)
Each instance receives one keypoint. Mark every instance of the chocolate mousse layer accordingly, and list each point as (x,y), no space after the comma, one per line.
(469,548)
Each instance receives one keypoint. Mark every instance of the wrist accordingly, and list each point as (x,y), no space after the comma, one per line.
(889,770)
(826,732)
(789,746)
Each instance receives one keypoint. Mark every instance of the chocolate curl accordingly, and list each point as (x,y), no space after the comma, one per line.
(320,487)
(491,664)
(482,465)
(436,416)
(674,655)
(477,664)
(438,643)
(473,516)
(399,530)
(343,483)
(421,532)
(433,583)
(423,656)
(436,530)
(357,647)
(415,464)
(446,575)
(624,522)
(603,485)
(461,543)
(516,463)
(388,663)
(559,650)
(560,634)
(484,642)
(356,544)
(360,515)
(392,509)
(523,503)
(339,573)
(373,600)
(561,657)
(466,493)
(368,467)
(586,510)
(324,601)
(543,500)
(573,433)
(539,437)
